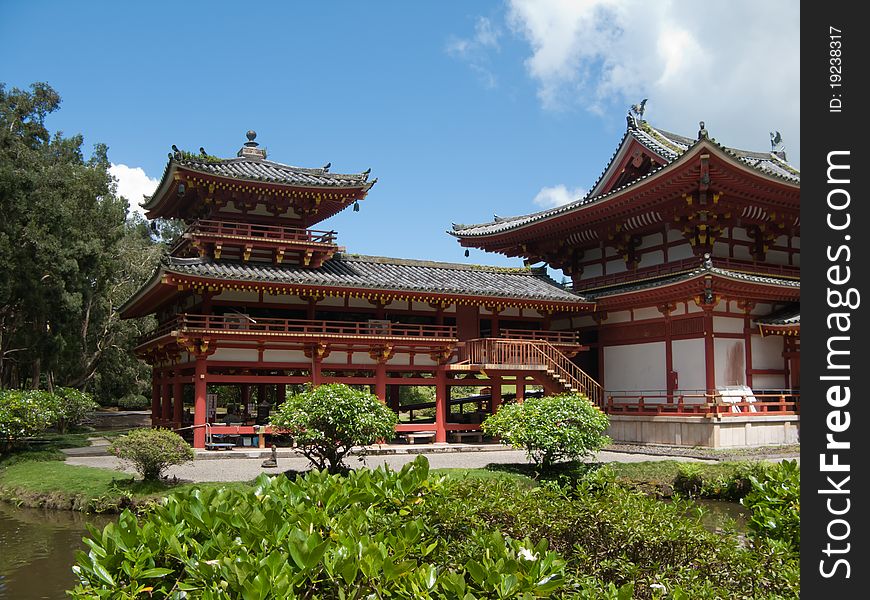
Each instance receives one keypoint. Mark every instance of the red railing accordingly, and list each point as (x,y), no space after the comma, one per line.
(236,324)
(528,353)
(785,403)
(688,264)
(256,231)
(567,338)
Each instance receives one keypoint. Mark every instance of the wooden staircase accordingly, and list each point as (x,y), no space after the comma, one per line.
(497,354)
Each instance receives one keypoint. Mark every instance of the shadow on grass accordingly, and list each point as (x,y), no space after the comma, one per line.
(566,474)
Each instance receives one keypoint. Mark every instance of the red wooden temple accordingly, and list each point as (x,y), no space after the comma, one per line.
(690,252)
(252,296)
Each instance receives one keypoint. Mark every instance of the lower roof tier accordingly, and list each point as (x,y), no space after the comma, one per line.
(354,275)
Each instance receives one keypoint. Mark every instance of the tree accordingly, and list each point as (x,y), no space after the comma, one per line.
(70,256)
(328,421)
(553,428)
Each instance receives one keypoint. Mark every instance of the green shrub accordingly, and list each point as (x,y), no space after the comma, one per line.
(689,481)
(614,538)
(152,450)
(366,535)
(134,402)
(23,414)
(566,426)
(328,421)
(775,503)
(71,407)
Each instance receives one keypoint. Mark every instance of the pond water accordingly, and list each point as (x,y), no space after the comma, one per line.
(37,550)
(718,514)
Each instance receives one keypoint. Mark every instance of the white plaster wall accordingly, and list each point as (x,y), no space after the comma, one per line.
(730,361)
(590,271)
(510,311)
(616,266)
(635,367)
(648,241)
(769,382)
(423,360)
(284,299)
(648,259)
(285,356)
(584,321)
(592,254)
(680,252)
(796,242)
(234,354)
(330,301)
(238,295)
(727,325)
(739,233)
(689,363)
(622,316)
(561,324)
(691,307)
(675,235)
(742,253)
(777,257)
(761,309)
(767,352)
(646,313)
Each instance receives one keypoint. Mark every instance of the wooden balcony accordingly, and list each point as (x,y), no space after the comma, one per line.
(239,326)
(241,241)
(701,404)
(557,338)
(686,265)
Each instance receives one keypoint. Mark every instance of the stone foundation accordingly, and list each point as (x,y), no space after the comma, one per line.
(710,432)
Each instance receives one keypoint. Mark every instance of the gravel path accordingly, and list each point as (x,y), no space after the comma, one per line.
(246,469)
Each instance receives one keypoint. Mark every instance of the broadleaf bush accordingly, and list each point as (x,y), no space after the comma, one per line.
(552,428)
(327,421)
(369,534)
(152,451)
(71,407)
(23,414)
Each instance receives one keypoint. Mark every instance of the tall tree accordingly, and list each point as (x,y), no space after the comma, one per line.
(70,256)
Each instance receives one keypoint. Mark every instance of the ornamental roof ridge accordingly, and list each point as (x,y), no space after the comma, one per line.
(412,262)
(320,172)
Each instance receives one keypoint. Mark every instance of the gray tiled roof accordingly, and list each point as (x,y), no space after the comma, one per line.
(669,146)
(593,295)
(374,272)
(788,316)
(272,172)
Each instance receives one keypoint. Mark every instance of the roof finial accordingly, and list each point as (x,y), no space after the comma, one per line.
(639,109)
(776,145)
(251,148)
(702,133)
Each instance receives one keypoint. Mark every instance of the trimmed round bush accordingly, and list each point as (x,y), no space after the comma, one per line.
(550,429)
(329,420)
(152,450)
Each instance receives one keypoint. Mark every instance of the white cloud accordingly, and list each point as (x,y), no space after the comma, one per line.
(133,184)
(734,65)
(474,50)
(551,197)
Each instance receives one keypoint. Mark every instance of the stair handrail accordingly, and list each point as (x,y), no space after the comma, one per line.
(574,374)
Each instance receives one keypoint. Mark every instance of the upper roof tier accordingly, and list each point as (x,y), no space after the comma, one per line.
(249,185)
(651,162)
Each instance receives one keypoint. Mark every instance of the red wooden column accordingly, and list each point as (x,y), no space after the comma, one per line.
(441,405)
(166,399)
(261,393)
(381,381)
(199,391)
(709,349)
(177,399)
(155,396)
(495,393)
(521,388)
(280,393)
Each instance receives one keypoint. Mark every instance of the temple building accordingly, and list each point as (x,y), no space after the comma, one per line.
(690,252)
(252,297)
(681,319)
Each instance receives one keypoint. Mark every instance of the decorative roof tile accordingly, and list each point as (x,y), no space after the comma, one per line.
(272,172)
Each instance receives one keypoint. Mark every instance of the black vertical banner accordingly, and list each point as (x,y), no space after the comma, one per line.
(835,422)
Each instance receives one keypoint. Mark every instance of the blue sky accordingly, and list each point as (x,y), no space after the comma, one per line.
(461,109)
